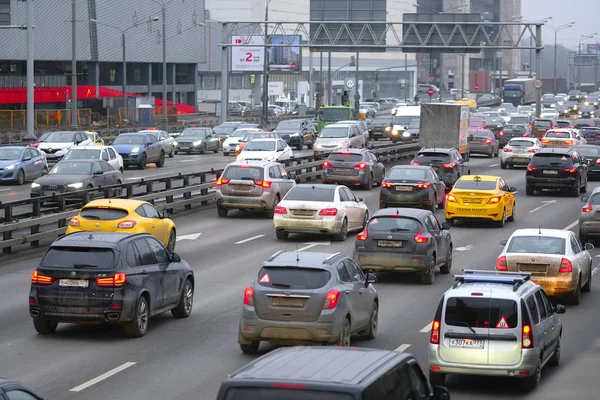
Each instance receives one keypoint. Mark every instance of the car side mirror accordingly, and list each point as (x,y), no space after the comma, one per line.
(98,140)
(585,198)
(441,393)
(292,176)
(560,309)
(44,171)
(371,278)
(175,258)
(446,226)
(164,214)
(98,172)
(503,242)
(512,189)
(588,246)
(361,200)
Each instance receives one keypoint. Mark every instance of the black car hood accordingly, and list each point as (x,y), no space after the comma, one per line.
(286,131)
(379,124)
(60,179)
(189,140)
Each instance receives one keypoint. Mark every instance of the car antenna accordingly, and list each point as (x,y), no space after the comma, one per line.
(297,255)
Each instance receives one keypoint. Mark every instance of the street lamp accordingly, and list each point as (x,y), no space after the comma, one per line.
(265,96)
(541,21)
(556,30)
(164,122)
(579,57)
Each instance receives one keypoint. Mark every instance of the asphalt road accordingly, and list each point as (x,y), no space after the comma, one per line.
(185,359)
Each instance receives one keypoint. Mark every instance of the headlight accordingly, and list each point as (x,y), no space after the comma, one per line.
(197,143)
(270,157)
(175,143)
(387,128)
(35,185)
(552,105)
(295,134)
(135,150)
(395,132)
(11,166)
(406,134)
(77,185)
(237,148)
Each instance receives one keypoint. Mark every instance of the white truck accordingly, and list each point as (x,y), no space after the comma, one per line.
(445,126)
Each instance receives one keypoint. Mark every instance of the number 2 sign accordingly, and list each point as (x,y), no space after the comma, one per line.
(247,53)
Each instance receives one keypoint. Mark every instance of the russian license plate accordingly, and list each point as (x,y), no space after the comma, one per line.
(471,201)
(550,172)
(74,283)
(389,243)
(467,343)
(404,188)
(240,187)
(343,170)
(287,302)
(303,212)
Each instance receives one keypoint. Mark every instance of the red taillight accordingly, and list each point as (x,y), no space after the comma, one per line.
(387,185)
(221,182)
(74,221)
(485,126)
(525,134)
(128,224)
(434,337)
(487,141)
(591,125)
(280,210)
(116,281)
(449,165)
(423,185)
(568,141)
(570,170)
(532,150)
(507,150)
(587,208)
(531,169)
(565,266)
(249,296)
(494,200)
(451,199)
(289,386)
(328,212)
(415,163)
(597,160)
(501,264)
(364,235)
(360,166)
(501,133)
(327,164)
(331,299)
(545,140)
(419,238)
(264,184)
(38,279)
(527,340)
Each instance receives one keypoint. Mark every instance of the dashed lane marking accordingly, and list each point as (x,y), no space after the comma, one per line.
(313,244)
(427,328)
(568,227)
(402,347)
(250,239)
(494,165)
(102,377)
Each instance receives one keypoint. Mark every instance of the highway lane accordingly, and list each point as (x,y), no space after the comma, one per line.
(182,359)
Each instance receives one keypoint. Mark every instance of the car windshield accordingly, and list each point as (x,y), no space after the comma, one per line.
(61,137)
(491,114)
(293,278)
(407,173)
(198,133)
(242,172)
(260,145)
(273,393)
(521,143)
(536,244)
(382,121)
(129,139)
(333,114)
(508,93)
(470,184)
(547,97)
(239,133)
(44,137)
(542,124)
(414,124)
(557,134)
(345,157)
(251,137)
(75,168)
(404,119)
(588,151)
(289,125)
(83,154)
(74,257)
(330,132)
(10,154)
(477,312)
(385,223)
(574,92)
(311,193)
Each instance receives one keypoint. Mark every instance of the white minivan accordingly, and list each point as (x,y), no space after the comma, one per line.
(402,120)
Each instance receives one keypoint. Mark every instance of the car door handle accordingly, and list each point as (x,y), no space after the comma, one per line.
(360,291)
(153,225)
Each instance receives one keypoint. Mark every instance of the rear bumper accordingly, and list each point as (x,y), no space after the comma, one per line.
(589,227)
(556,285)
(263,202)
(517,160)
(372,261)
(325,226)
(551,183)
(361,178)
(461,211)
(481,149)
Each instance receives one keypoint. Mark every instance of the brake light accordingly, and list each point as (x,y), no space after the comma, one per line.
(527,340)
(327,164)
(485,126)
(249,296)
(531,169)
(387,185)
(487,141)
(451,199)
(364,235)
(328,212)
(565,266)
(128,224)
(38,279)
(501,133)
(507,150)
(449,165)
(494,200)
(415,163)
(74,222)
(571,170)
(501,264)
(419,238)
(525,134)
(532,150)
(591,125)
(221,182)
(423,185)
(568,141)
(243,166)
(264,184)
(360,166)
(434,337)
(587,208)
(597,160)
(545,140)
(280,210)
(115,281)
(331,299)
(289,386)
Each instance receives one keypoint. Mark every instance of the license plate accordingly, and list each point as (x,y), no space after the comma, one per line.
(241,187)
(74,283)
(471,201)
(467,343)
(287,302)
(343,170)
(404,188)
(303,212)
(551,172)
(389,243)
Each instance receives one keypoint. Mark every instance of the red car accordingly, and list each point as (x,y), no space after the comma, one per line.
(477,124)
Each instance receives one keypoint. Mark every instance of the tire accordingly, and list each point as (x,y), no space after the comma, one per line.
(512,216)
(445,269)
(226,154)
(341,236)
(161,160)
(21,177)
(584,188)
(345,336)
(369,184)
(371,331)
(311,145)
(429,277)
(281,234)
(531,382)
(502,222)
(176,152)
(382,176)
(490,155)
(437,378)
(300,146)
(143,161)
(575,191)
(222,212)
(44,326)
(271,212)
(442,204)
(433,205)
(503,165)
(528,191)
(365,220)
(172,152)
(186,302)
(139,326)
(171,242)
(450,221)
(588,285)
(575,297)
(251,348)
(555,359)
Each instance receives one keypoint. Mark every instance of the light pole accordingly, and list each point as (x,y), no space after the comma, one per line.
(74,122)
(541,21)
(579,57)
(164,122)
(556,30)
(265,96)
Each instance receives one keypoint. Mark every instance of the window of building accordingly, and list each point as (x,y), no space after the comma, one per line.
(137,73)
(209,82)
(181,73)
(235,82)
(112,74)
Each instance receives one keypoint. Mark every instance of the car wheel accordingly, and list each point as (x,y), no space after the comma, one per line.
(512,216)
(172,152)
(44,326)
(502,222)
(382,176)
(528,191)
(176,152)
(588,285)
(428,277)
(171,242)
(184,308)
(121,170)
(143,161)
(345,336)
(575,190)
(281,234)
(271,212)
(369,184)
(433,205)
(226,154)
(161,160)
(584,187)
(370,332)
(310,145)
(21,177)
(445,269)
(437,378)
(502,165)
(491,155)
(139,326)
(532,382)
(251,348)
(222,212)
(450,221)
(300,146)
(496,152)
(575,296)
(203,149)
(341,236)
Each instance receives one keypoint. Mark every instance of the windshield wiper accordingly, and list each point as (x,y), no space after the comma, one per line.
(283,285)
(399,230)
(246,178)
(462,324)
(84,266)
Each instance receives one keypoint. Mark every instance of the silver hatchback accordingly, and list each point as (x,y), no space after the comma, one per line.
(252,185)
(589,221)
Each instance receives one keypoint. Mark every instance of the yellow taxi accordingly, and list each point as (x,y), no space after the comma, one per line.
(481,197)
(125,215)
(96,139)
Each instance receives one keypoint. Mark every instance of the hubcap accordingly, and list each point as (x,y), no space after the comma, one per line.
(188,299)
(143,316)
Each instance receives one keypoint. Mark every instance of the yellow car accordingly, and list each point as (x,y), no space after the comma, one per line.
(125,215)
(481,197)
(96,139)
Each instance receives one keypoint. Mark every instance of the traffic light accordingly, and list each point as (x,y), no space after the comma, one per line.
(345,98)
(352,61)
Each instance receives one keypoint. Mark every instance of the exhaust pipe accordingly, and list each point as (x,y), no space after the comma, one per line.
(113,316)
(34,313)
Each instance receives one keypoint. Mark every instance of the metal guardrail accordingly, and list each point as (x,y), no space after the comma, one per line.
(24,223)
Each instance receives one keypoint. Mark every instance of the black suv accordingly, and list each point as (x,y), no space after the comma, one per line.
(556,169)
(448,163)
(331,373)
(381,127)
(109,277)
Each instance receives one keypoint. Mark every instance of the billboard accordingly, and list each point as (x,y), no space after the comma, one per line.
(594,49)
(249,56)
(285,58)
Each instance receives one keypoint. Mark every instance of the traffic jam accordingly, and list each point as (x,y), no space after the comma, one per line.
(308,311)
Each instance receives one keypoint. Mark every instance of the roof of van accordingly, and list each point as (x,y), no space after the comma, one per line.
(320,365)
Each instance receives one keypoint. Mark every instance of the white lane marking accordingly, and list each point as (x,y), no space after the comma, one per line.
(402,347)
(545,203)
(571,225)
(135,177)
(4,190)
(249,239)
(594,271)
(313,244)
(427,328)
(102,377)
(464,248)
(494,165)
(182,161)
(191,236)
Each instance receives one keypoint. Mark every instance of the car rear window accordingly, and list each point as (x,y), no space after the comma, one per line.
(480,133)
(103,214)
(245,393)
(563,124)
(521,143)
(477,312)
(516,128)
(536,244)
(428,154)
(407,173)
(477,123)
(311,193)
(345,157)
(542,124)
(555,134)
(594,199)
(74,257)
(590,132)
(468,184)
(394,224)
(293,278)
(589,151)
(551,160)
(242,172)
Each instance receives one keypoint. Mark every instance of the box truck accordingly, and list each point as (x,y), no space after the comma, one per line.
(519,91)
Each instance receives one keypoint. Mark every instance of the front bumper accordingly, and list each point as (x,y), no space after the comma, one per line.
(325,226)
(9,175)
(373,261)
(379,133)
(229,148)
(54,158)
(189,147)
(130,159)
(463,211)
(261,203)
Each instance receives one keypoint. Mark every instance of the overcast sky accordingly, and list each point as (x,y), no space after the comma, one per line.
(585,14)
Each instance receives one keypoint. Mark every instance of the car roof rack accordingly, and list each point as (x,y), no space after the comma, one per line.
(485,276)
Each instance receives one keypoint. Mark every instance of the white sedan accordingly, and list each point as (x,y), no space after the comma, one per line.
(562,138)
(555,258)
(321,210)
(266,150)
(235,138)
(519,151)
(106,153)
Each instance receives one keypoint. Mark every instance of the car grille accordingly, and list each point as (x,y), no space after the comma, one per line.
(54,188)
(50,151)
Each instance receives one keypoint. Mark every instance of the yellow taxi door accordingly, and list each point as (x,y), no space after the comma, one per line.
(509,198)
(160,228)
